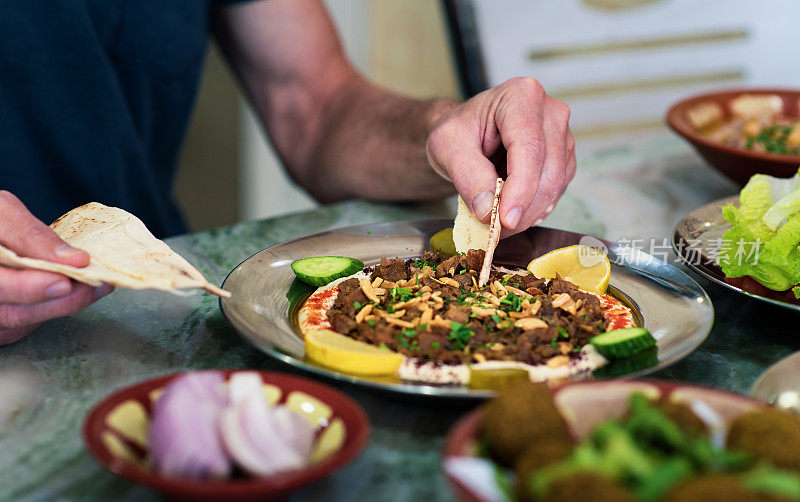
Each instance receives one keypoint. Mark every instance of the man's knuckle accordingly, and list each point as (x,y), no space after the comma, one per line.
(534,146)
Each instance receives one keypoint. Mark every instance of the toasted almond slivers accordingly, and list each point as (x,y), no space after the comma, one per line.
(440,322)
(436,294)
(474,282)
(479,357)
(408,303)
(564,347)
(450,282)
(482,312)
(525,304)
(500,288)
(377,282)
(452,271)
(425,289)
(363,313)
(561,299)
(493,287)
(569,307)
(368,290)
(518,291)
(578,304)
(380,291)
(497,346)
(426,317)
(371,317)
(535,307)
(388,285)
(469,299)
(415,322)
(517,315)
(493,299)
(401,283)
(556,361)
(399,322)
(530,323)
(397,314)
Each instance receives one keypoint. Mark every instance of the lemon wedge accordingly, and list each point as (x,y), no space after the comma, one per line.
(442,241)
(342,353)
(497,378)
(584,266)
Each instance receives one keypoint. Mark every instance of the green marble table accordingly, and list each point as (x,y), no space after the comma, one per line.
(49,380)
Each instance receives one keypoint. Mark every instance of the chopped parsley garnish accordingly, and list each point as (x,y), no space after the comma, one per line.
(419,263)
(464,271)
(511,302)
(554,342)
(371,322)
(357,305)
(505,280)
(435,345)
(407,339)
(562,332)
(384,346)
(408,333)
(496,318)
(401,294)
(459,336)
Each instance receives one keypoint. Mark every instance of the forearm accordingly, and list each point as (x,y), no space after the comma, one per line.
(371,143)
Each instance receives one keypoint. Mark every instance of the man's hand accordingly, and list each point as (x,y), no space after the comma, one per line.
(30,297)
(534,130)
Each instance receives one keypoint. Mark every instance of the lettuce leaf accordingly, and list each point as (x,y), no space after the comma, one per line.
(764,235)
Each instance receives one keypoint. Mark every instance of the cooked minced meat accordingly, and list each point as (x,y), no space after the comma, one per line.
(431,308)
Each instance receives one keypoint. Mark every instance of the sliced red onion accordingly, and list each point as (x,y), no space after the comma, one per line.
(262,439)
(184,430)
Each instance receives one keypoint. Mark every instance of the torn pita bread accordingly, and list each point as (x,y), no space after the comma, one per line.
(494,235)
(468,232)
(123,253)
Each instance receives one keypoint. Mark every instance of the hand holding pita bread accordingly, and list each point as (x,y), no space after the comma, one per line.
(515,126)
(30,297)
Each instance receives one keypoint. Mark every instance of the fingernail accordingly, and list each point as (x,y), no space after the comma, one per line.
(58,289)
(537,222)
(550,208)
(513,216)
(482,204)
(65,251)
(102,290)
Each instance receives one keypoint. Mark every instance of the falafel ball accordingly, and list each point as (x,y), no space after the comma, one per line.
(710,488)
(546,451)
(683,416)
(768,433)
(587,487)
(519,418)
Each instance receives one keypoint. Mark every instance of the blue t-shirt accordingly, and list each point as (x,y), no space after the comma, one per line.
(95,96)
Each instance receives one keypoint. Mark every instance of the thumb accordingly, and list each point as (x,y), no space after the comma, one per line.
(475,177)
(24,234)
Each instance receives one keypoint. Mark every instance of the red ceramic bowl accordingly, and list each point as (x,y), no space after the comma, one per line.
(737,164)
(112,427)
(584,404)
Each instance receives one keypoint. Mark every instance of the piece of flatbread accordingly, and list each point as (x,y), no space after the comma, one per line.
(468,232)
(123,253)
(494,235)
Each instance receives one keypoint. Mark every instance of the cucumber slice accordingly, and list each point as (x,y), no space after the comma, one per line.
(320,270)
(628,365)
(623,342)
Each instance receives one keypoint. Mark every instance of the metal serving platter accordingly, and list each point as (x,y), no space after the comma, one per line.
(697,240)
(667,302)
